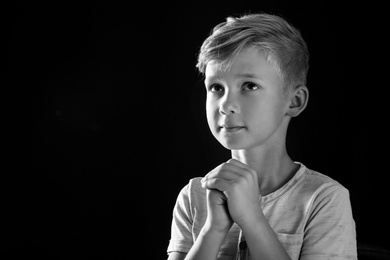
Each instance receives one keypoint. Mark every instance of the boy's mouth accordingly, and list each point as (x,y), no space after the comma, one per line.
(231,128)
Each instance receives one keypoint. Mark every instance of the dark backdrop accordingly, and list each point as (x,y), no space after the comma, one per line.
(104,119)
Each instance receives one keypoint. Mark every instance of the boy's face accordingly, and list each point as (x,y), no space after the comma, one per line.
(246,105)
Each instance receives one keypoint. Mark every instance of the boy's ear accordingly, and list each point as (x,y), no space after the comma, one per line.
(298,100)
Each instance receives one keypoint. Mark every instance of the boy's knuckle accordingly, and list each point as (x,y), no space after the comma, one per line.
(224,166)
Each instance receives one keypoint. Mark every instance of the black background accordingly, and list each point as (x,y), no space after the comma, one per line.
(104,119)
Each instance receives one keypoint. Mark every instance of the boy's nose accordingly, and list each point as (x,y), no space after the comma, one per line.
(229,105)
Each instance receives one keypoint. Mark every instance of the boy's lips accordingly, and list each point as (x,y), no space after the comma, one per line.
(231,127)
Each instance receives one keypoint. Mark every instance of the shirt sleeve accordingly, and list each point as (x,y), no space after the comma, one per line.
(330,231)
(181,229)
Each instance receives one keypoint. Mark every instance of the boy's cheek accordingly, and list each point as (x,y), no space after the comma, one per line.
(212,118)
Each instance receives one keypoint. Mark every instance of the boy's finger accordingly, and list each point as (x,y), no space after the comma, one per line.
(238,163)
(217,184)
(241,165)
(226,175)
(226,171)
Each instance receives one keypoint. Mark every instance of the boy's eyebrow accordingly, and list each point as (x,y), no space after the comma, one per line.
(214,77)
(239,75)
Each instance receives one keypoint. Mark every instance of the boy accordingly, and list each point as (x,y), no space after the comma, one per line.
(260,204)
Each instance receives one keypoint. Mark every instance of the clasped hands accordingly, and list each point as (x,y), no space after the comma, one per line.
(232,196)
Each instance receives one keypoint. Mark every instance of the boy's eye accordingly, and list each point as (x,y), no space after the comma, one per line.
(216,88)
(250,86)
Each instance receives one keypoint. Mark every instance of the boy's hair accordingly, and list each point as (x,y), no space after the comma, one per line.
(282,44)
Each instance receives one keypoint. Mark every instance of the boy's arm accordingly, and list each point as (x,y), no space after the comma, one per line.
(207,245)
(177,256)
(215,229)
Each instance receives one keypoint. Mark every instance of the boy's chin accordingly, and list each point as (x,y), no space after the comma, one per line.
(233,145)
(239,144)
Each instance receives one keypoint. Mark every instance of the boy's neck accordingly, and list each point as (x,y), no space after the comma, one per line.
(274,167)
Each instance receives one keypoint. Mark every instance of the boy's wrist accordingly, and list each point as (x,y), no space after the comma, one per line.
(210,231)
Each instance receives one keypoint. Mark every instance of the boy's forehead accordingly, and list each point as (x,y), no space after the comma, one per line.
(249,63)
(215,71)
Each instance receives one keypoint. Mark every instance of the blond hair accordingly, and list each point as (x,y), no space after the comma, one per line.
(282,44)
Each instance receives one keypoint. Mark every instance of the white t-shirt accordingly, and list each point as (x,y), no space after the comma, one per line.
(311,216)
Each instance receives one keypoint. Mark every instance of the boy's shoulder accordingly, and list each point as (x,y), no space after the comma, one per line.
(318,186)
(318,180)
